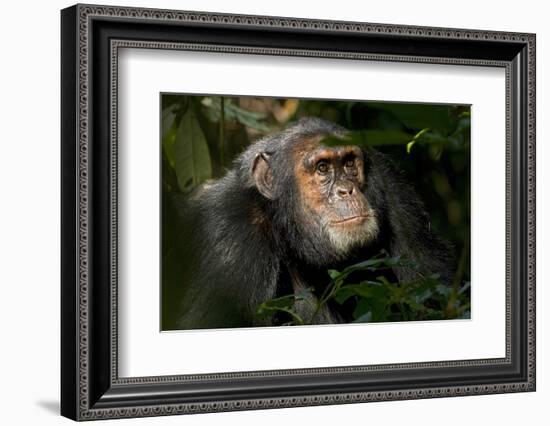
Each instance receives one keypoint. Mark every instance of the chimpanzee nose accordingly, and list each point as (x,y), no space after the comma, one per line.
(345,189)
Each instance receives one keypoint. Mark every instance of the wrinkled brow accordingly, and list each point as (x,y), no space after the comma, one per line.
(324,153)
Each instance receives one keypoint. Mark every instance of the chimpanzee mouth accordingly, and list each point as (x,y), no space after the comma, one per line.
(352,231)
(351,220)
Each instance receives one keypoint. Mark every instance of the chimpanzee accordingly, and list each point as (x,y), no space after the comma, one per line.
(290,209)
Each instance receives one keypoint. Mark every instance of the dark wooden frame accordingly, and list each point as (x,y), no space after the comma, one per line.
(90,386)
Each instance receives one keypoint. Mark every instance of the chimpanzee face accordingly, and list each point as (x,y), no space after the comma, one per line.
(327,204)
(330,182)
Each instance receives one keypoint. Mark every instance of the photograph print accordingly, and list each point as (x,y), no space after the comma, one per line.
(297,212)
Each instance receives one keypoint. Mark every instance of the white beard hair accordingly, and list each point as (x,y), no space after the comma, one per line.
(344,240)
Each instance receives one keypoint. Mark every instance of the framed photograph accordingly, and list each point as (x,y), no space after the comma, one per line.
(263,212)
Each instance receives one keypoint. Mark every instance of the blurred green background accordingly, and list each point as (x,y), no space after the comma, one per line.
(430,143)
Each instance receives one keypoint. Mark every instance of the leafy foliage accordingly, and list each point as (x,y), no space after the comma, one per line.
(380,300)
(284,304)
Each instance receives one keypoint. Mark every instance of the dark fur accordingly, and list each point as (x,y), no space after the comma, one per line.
(240,249)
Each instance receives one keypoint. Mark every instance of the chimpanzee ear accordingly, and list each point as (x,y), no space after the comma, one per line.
(263,176)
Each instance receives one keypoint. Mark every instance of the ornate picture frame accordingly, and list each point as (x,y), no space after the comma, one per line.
(91,39)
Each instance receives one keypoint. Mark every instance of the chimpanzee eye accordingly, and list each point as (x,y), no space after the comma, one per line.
(322,167)
(349,163)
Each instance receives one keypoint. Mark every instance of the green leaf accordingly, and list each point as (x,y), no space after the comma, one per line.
(369,138)
(280,302)
(382,261)
(366,289)
(191,157)
(284,304)
(168,146)
(334,274)
(375,310)
(373,289)
(380,137)
(168,117)
(420,116)
(344,293)
(415,138)
(169,127)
